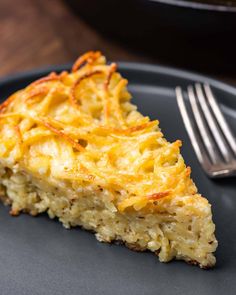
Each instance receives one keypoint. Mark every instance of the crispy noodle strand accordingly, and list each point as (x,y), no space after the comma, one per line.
(109,141)
(88,57)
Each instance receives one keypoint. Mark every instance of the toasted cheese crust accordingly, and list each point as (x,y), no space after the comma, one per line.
(79,129)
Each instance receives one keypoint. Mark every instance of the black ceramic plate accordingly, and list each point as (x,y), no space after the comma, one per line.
(39,256)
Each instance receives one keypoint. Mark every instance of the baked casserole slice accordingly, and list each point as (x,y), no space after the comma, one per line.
(73,145)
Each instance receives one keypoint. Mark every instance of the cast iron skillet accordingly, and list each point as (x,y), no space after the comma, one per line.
(217,5)
(200,35)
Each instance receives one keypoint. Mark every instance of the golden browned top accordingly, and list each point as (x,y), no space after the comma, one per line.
(81,127)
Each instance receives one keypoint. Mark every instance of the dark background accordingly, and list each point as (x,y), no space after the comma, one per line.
(40,32)
(36,33)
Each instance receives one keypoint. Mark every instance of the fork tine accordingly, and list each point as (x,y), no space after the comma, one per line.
(206,137)
(220,118)
(220,141)
(193,134)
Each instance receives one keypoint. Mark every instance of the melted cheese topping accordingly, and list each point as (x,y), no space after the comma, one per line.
(81,127)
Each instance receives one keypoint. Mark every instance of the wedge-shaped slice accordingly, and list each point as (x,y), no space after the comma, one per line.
(74,146)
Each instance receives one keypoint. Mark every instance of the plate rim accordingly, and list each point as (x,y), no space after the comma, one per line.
(124,66)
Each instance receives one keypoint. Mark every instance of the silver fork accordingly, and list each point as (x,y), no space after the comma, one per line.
(209,133)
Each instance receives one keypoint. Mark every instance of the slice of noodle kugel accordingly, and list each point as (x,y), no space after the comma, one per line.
(73,145)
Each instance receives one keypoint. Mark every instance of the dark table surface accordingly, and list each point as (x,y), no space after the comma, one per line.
(37,33)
